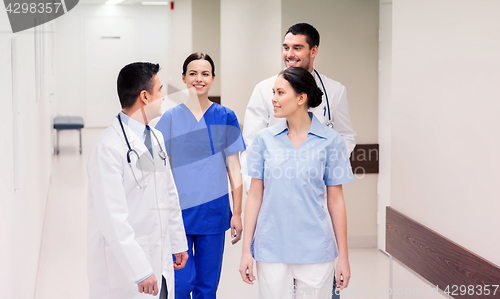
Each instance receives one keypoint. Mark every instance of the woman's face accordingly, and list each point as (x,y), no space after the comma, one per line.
(199,76)
(285,101)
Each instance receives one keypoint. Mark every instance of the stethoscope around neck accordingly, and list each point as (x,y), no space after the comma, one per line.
(131,151)
(329,123)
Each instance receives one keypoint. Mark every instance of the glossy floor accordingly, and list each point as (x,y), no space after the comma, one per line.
(62,269)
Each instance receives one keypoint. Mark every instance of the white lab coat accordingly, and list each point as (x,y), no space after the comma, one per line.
(131,232)
(260,113)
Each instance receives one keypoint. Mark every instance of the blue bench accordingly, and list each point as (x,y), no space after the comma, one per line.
(68,123)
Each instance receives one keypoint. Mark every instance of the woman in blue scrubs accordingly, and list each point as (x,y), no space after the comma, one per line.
(203,141)
(286,228)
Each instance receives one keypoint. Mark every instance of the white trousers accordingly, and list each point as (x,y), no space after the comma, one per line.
(299,281)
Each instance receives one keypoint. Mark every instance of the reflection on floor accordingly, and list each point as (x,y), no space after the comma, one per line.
(62,270)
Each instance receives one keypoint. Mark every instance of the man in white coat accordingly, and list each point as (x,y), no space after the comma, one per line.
(134,220)
(300,47)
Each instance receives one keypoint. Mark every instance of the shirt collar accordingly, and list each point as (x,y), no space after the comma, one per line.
(133,125)
(281,127)
(317,128)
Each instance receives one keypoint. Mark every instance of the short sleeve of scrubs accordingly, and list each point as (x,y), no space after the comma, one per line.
(338,169)
(254,164)
(234,139)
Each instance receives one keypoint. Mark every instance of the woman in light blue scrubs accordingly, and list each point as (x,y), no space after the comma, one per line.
(287,230)
(203,140)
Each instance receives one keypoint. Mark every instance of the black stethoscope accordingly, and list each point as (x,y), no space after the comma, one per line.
(329,123)
(130,151)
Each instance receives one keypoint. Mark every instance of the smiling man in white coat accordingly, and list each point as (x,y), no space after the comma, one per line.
(300,48)
(134,220)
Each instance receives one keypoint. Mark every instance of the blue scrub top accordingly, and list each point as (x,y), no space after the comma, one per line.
(292,225)
(198,152)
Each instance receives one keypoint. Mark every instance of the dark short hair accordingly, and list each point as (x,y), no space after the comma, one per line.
(198,56)
(303,82)
(312,35)
(134,78)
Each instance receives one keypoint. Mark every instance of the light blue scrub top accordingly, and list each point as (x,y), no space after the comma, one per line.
(198,152)
(292,225)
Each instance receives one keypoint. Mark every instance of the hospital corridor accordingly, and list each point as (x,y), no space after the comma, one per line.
(371,127)
(63,261)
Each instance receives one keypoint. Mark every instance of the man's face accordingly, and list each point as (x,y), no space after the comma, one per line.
(296,52)
(155,98)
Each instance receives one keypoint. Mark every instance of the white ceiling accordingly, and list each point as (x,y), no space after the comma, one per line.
(125,2)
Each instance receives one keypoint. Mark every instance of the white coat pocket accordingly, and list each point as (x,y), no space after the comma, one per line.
(116,276)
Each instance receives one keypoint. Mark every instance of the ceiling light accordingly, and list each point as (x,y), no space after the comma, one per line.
(154,3)
(114,1)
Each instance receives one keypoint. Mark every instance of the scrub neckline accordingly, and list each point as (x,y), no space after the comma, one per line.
(192,114)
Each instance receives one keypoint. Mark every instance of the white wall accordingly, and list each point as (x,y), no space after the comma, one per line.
(181,45)
(250,49)
(206,35)
(384,117)
(195,27)
(445,163)
(152,45)
(26,151)
(7,166)
(348,53)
